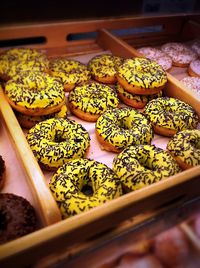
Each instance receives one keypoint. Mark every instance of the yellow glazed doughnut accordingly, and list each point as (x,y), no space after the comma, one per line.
(194,68)
(71,72)
(22,54)
(120,127)
(185,148)
(89,101)
(35,93)
(16,60)
(141,76)
(55,141)
(28,121)
(169,115)
(69,181)
(134,100)
(141,165)
(103,68)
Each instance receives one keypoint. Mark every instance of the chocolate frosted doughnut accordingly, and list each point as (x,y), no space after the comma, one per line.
(169,115)
(120,127)
(56,141)
(141,76)
(17,217)
(67,186)
(70,72)
(141,165)
(185,148)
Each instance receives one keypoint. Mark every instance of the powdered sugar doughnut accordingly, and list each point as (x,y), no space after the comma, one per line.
(194,68)
(180,54)
(157,55)
(195,46)
(192,83)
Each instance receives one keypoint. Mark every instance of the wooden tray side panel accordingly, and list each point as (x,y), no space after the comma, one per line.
(48,209)
(56,34)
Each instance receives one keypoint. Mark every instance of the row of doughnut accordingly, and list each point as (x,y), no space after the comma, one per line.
(179,55)
(61,144)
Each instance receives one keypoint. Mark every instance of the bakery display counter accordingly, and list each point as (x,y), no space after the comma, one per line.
(140,214)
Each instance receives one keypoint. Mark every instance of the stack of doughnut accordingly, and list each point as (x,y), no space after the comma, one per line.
(139,80)
(91,100)
(103,68)
(35,94)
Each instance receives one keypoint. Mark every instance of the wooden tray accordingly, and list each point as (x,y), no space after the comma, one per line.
(178,189)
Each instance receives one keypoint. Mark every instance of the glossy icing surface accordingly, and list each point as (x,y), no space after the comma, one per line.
(69,180)
(143,73)
(121,127)
(141,165)
(104,65)
(171,113)
(93,98)
(186,145)
(69,71)
(34,90)
(55,141)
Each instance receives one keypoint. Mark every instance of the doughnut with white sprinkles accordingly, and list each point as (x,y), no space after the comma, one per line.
(35,93)
(141,76)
